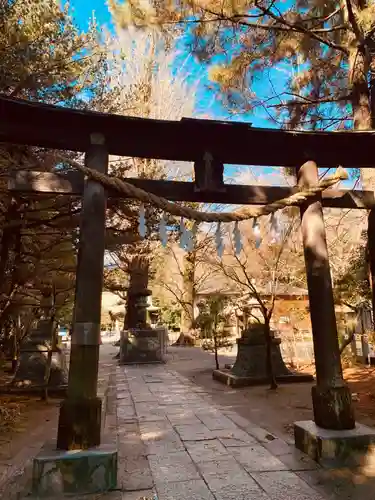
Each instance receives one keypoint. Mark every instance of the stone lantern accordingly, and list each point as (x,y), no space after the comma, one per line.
(139,342)
(250,367)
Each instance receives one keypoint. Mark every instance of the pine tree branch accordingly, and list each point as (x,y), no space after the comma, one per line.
(324,19)
(300,29)
(308,102)
(353,21)
(329,30)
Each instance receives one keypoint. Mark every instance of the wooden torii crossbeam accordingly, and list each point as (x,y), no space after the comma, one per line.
(72,183)
(99,135)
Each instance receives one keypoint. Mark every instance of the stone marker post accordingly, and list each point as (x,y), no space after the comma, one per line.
(80,413)
(331,396)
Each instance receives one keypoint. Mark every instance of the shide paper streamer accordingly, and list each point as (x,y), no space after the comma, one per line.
(188,236)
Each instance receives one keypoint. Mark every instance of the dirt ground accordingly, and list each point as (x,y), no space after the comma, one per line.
(273,410)
(26,419)
(20,418)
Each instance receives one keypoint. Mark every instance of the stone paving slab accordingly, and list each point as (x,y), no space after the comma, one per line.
(277,447)
(198,432)
(216,421)
(160,438)
(183,418)
(203,451)
(285,485)
(134,474)
(224,488)
(126,412)
(195,489)
(257,458)
(234,437)
(136,495)
(122,387)
(223,467)
(172,467)
(124,394)
(298,461)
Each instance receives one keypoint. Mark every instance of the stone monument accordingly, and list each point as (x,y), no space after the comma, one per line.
(250,367)
(139,342)
(37,348)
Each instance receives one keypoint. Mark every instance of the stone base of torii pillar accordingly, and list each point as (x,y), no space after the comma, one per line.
(335,448)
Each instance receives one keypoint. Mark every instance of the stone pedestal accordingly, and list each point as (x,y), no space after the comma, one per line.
(146,345)
(335,448)
(58,472)
(250,367)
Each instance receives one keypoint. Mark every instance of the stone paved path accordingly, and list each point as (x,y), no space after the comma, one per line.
(174,443)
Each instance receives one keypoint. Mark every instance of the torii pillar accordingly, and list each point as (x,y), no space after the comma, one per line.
(91,468)
(80,413)
(333,434)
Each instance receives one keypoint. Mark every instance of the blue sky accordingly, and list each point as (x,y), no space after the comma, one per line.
(206,101)
(82,11)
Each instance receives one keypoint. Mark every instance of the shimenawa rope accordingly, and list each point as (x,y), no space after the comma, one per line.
(245,213)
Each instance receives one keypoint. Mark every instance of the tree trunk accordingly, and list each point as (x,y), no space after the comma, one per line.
(6,246)
(269,366)
(188,296)
(9,238)
(363,105)
(363,119)
(372,93)
(358,77)
(16,342)
(6,332)
(216,353)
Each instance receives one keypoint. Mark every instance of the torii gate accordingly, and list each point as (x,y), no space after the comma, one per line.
(99,135)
